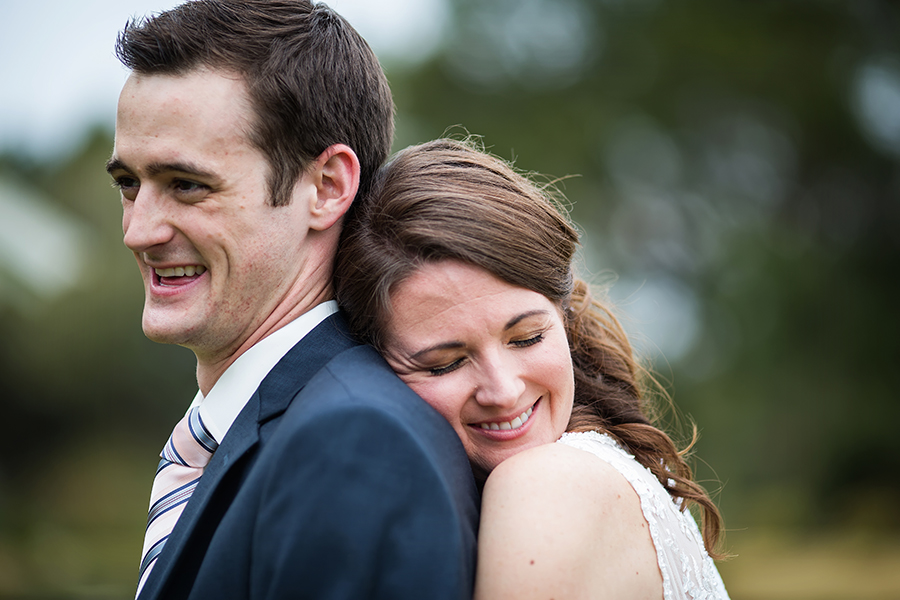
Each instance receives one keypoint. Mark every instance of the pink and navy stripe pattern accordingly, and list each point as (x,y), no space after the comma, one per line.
(184,457)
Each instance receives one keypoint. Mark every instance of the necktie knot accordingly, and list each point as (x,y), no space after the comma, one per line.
(191,444)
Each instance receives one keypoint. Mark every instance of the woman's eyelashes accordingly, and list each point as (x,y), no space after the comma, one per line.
(530,340)
(448,368)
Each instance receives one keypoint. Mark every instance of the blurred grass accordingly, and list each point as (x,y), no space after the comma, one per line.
(79,537)
(75,530)
(828,566)
(792,379)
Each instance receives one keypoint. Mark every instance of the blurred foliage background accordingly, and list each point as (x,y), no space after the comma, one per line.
(735,169)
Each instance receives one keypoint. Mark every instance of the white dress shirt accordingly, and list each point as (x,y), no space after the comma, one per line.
(233,390)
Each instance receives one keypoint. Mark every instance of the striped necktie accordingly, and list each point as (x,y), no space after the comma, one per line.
(184,457)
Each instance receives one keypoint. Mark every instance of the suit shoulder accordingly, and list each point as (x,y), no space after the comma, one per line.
(360,378)
(357,391)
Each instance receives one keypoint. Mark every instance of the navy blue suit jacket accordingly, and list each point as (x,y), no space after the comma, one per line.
(335,482)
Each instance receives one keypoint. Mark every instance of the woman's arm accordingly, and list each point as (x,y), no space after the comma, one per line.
(560,523)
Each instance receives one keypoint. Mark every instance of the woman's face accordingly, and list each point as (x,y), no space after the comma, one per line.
(492,358)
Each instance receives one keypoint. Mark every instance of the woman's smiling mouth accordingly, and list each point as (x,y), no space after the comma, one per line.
(509,425)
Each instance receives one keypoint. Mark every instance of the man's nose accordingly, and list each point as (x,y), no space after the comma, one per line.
(146,222)
(500,383)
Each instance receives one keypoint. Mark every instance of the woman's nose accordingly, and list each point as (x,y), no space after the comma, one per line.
(500,382)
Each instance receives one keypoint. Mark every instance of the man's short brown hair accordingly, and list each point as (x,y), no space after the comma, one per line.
(312,79)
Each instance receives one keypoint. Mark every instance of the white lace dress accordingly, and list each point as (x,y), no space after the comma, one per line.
(687,570)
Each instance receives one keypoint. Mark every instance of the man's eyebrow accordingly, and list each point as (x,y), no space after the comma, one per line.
(114,164)
(180,167)
(515,320)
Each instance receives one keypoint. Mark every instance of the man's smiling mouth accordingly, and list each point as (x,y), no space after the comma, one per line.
(178,276)
(189,271)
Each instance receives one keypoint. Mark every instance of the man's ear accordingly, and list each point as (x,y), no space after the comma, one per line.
(336,177)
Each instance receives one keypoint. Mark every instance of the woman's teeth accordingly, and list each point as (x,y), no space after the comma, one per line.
(507,425)
(181,271)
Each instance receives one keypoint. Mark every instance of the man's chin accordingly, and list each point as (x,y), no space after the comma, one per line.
(165,333)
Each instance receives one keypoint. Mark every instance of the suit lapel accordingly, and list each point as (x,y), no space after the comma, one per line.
(268,403)
(287,378)
(242,436)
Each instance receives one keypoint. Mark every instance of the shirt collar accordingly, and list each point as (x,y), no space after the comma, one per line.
(234,388)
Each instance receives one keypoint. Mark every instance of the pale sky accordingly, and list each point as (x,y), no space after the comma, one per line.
(59,76)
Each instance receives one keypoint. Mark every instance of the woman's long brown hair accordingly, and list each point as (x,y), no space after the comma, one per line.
(448,199)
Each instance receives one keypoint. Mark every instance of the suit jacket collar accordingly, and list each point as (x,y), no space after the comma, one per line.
(269,402)
(304,360)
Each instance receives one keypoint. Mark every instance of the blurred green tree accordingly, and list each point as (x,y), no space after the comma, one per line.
(735,164)
(739,170)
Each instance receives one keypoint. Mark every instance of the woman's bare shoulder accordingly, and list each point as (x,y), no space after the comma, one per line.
(573,491)
(556,470)
(557,520)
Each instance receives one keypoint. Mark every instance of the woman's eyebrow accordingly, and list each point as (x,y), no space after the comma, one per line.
(441,346)
(515,320)
(457,345)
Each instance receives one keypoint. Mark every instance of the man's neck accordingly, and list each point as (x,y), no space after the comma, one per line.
(211,367)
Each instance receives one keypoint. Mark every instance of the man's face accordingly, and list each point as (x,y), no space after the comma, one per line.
(216,258)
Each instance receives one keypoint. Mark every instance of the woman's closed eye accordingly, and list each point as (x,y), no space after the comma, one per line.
(459,362)
(437,371)
(529,341)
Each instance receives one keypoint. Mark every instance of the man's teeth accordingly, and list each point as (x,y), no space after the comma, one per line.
(514,424)
(181,271)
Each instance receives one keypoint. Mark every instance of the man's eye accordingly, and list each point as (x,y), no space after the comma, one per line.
(127,186)
(125,182)
(188,186)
